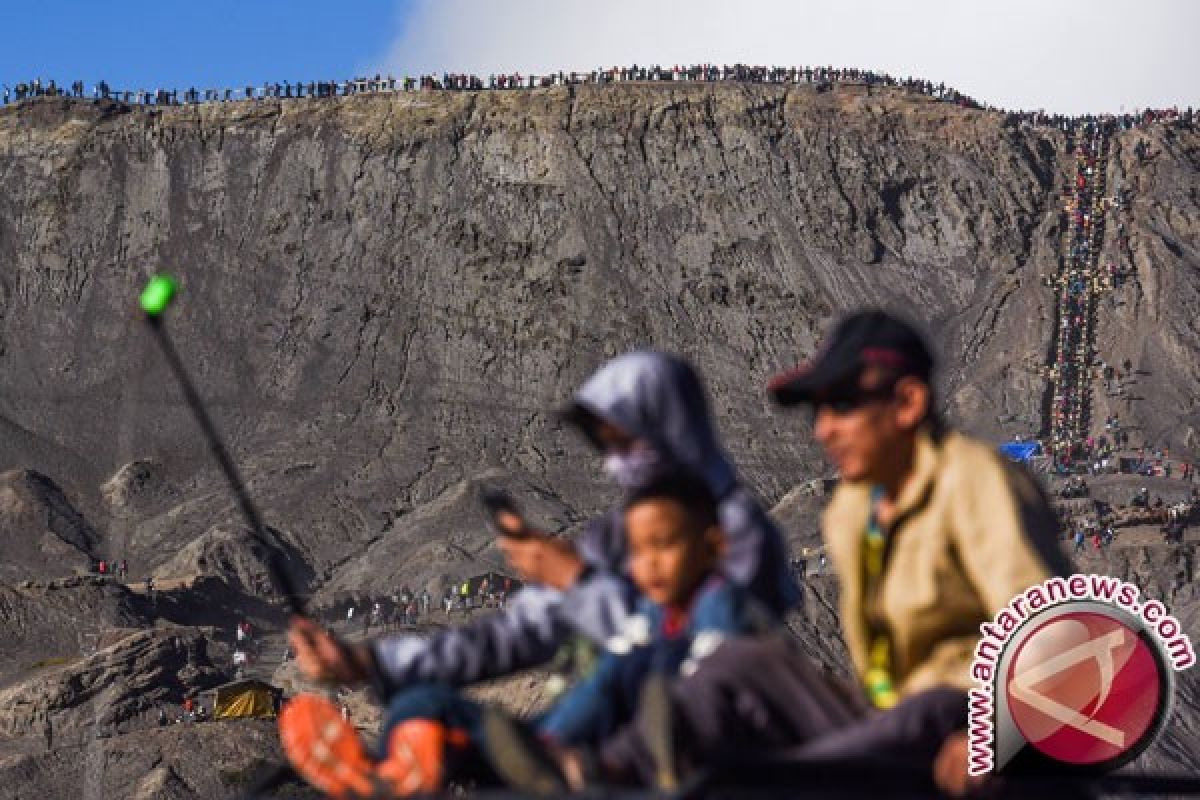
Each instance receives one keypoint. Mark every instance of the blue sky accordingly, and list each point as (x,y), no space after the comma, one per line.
(206,43)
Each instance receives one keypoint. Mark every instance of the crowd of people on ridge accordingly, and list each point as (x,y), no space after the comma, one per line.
(821,77)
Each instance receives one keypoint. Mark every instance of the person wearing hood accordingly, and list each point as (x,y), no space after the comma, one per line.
(648,414)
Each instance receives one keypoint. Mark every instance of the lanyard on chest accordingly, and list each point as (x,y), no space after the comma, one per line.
(879,681)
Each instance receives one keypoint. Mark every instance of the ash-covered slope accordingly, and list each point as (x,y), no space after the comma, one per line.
(384,296)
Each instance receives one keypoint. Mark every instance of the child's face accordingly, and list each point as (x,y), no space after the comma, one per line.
(669,553)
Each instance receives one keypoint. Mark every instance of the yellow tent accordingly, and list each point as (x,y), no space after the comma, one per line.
(247,698)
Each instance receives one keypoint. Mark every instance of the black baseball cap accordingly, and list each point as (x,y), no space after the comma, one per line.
(860,340)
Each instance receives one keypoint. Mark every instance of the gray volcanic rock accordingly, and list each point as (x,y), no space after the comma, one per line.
(446,540)
(41,533)
(232,554)
(137,487)
(117,685)
(61,619)
(1152,319)
(182,762)
(385,297)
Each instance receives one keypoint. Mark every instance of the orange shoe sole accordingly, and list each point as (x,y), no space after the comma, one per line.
(325,749)
(416,754)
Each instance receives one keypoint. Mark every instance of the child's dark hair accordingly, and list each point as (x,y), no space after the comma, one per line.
(684,488)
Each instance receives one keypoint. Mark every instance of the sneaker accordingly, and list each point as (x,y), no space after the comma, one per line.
(519,758)
(325,749)
(416,757)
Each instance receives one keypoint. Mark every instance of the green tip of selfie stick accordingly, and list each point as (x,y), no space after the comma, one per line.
(158,294)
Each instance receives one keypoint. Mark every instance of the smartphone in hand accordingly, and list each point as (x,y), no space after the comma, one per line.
(506,519)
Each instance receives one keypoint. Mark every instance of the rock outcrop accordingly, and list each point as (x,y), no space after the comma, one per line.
(137,488)
(231,553)
(48,621)
(119,685)
(41,532)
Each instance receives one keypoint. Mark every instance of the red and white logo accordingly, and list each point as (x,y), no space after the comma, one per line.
(1084,687)
(1078,671)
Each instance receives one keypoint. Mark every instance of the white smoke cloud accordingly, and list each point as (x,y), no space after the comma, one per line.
(1062,55)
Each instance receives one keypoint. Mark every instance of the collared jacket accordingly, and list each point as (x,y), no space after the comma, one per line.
(658,398)
(970,533)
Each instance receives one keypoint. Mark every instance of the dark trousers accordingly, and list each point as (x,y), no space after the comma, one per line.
(755,696)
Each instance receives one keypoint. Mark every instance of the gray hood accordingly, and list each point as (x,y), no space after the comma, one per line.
(658,398)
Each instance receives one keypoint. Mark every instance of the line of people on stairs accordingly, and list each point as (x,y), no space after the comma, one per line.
(1078,282)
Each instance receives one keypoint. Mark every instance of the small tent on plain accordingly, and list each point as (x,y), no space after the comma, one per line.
(1022,452)
(248,698)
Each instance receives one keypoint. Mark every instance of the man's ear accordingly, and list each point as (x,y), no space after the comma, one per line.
(912,398)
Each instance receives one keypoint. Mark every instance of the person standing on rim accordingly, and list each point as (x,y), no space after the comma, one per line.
(930,533)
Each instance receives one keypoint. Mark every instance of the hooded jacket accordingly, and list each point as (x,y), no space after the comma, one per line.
(657,398)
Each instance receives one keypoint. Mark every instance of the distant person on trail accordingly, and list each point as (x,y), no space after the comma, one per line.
(1079,540)
(971,532)
(647,414)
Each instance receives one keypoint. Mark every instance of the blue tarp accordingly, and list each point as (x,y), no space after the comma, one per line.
(1021,451)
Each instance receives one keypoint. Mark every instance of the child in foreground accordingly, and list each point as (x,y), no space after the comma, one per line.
(434,735)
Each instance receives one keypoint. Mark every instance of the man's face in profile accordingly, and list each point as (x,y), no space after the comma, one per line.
(861,424)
